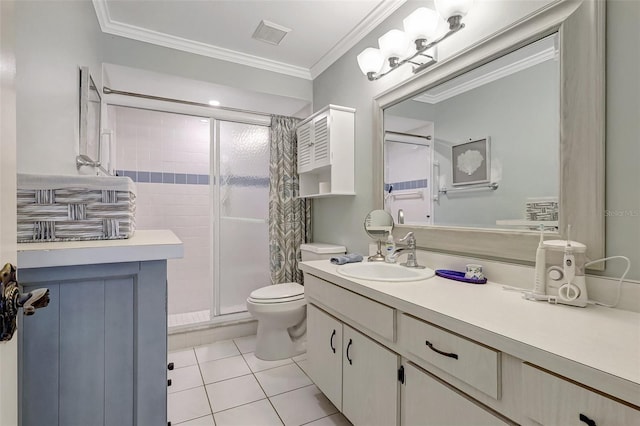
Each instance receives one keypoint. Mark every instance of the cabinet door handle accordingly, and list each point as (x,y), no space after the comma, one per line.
(450,355)
(348,347)
(587,420)
(333,348)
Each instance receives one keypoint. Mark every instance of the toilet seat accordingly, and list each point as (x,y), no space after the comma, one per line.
(278,293)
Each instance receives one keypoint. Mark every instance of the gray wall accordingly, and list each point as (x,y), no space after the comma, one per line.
(54,38)
(340,219)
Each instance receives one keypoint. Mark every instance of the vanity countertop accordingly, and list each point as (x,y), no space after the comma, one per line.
(560,338)
(142,246)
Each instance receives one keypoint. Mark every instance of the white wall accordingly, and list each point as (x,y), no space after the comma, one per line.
(53,39)
(340,220)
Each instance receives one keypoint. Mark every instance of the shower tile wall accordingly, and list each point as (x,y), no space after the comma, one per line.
(408,170)
(168,156)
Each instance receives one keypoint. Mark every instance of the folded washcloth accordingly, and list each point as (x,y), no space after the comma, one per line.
(347,258)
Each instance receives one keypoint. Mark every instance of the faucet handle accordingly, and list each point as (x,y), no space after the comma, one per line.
(409,238)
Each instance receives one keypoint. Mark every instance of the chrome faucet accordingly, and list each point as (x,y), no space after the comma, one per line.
(410,250)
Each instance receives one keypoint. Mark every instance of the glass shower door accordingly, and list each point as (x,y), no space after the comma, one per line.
(242,192)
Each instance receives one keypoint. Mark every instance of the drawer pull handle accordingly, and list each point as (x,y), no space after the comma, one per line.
(587,420)
(348,347)
(333,348)
(450,355)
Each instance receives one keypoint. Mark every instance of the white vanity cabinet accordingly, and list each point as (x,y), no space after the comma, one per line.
(553,400)
(358,375)
(427,400)
(415,362)
(326,152)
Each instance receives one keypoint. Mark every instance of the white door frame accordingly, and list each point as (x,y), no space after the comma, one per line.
(8,222)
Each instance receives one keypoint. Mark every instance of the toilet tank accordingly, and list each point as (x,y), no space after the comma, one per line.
(319,251)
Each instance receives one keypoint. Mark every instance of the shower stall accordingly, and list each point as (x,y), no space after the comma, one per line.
(207,180)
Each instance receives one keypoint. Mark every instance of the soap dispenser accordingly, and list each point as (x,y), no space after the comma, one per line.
(389,248)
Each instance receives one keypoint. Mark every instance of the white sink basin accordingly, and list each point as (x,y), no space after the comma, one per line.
(375,271)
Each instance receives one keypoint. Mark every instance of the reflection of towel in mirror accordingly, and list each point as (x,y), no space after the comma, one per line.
(347,258)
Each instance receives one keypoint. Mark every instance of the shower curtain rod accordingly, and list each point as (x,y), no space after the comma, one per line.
(108,91)
(408,134)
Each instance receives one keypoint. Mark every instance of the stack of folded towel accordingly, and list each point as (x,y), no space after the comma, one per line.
(346,258)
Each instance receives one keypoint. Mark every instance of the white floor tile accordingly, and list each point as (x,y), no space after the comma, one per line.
(282,379)
(187,405)
(202,421)
(246,344)
(256,364)
(259,413)
(223,369)
(300,357)
(234,392)
(182,358)
(304,364)
(302,406)
(184,378)
(217,350)
(333,420)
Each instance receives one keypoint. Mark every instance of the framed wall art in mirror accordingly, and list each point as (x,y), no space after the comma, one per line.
(571,164)
(471,162)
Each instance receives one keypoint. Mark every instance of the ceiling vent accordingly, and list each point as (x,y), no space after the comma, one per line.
(270,33)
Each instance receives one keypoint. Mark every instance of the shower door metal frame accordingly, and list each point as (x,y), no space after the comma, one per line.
(214,115)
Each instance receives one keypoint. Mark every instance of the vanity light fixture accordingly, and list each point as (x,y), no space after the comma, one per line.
(415,44)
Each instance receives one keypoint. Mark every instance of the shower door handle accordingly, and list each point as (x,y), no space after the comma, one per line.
(333,348)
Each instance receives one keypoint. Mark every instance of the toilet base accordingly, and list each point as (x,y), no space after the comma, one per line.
(276,344)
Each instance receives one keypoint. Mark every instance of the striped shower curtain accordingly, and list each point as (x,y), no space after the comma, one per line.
(289,216)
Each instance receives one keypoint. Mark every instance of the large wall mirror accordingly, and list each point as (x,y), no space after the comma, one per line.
(478,152)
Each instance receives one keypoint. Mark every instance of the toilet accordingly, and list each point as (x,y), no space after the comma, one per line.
(281,310)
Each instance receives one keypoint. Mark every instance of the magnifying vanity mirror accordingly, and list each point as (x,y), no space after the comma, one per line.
(377,225)
(507,135)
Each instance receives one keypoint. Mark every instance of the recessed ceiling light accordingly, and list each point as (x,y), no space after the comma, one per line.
(213,102)
(204,120)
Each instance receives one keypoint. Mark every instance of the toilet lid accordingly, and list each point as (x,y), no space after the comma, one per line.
(277,292)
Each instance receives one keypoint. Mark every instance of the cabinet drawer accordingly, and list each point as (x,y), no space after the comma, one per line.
(471,362)
(371,315)
(427,400)
(552,400)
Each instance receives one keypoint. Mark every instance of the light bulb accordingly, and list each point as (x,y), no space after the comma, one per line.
(421,24)
(393,44)
(213,102)
(370,60)
(449,8)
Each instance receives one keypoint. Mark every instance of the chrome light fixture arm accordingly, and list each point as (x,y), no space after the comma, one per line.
(455,25)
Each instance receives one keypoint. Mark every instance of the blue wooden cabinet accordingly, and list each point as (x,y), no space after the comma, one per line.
(97,355)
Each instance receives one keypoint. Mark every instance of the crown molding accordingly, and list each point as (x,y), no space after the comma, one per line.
(379,14)
(121,29)
(371,21)
(512,68)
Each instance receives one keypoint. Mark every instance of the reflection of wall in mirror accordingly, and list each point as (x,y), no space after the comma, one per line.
(408,172)
(521,114)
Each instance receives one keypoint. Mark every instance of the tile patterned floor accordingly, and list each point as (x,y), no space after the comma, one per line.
(225,384)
